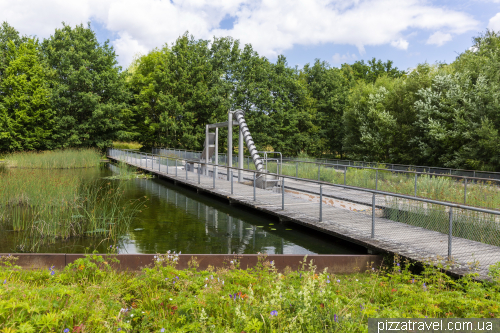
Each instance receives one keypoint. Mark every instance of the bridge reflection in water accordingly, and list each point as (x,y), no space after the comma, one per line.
(182,220)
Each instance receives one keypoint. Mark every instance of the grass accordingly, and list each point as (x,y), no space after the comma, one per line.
(40,206)
(126,145)
(56,159)
(90,296)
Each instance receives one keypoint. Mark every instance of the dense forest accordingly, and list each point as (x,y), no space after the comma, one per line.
(68,91)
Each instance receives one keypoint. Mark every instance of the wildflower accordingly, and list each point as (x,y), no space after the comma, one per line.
(131,315)
(274,313)
(231,262)
(52,273)
(327,281)
(272,262)
(205,285)
(222,282)
(177,277)
(394,290)
(162,330)
(338,281)
(173,282)
(170,299)
(398,263)
(211,277)
(66,330)
(356,280)
(412,280)
(206,279)
(111,246)
(335,317)
(373,269)
(362,307)
(166,279)
(424,286)
(119,329)
(230,296)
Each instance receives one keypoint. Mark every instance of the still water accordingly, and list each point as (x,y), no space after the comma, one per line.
(179,219)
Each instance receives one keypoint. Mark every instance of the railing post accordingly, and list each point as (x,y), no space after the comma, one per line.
(159,164)
(373,216)
(297,170)
(254,186)
(345,173)
(185,167)
(416,175)
(213,174)
(319,165)
(146,160)
(199,172)
(376,180)
(321,202)
(176,167)
(231,181)
(465,191)
(450,233)
(167,165)
(283,193)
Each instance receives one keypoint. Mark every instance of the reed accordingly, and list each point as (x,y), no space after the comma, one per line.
(56,159)
(42,206)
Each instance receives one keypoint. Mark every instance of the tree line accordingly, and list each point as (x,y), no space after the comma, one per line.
(68,91)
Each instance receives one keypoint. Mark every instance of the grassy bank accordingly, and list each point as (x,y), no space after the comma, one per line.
(126,145)
(90,296)
(56,159)
(39,206)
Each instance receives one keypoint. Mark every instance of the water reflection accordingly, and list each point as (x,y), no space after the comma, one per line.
(181,220)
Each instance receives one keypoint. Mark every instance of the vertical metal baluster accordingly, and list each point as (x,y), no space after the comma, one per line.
(167,165)
(345,172)
(185,167)
(176,167)
(231,181)
(416,177)
(254,186)
(297,170)
(376,180)
(213,174)
(465,191)
(321,202)
(450,233)
(283,193)
(319,165)
(373,215)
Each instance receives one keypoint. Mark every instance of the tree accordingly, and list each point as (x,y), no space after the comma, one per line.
(330,89)
(88,91)
(373,69)
(26,117)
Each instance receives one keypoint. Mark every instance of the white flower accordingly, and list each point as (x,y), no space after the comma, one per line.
(231,262)
(131,315)
(205,285)
(356,280)
(170,299)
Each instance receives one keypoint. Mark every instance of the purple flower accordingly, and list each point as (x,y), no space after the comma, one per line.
(119,329)
(335,317)
(66,330)
(162,330)
(425,286)
(173,282)
(338,281)
(52,273)
(111,246)
(230,296)
(412,280)
(327,281)
(177,277)
(272,262)
(5,281)
(274,313)
(398,263)
(300,275)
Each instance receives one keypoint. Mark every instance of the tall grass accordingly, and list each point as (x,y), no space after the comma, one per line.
(56,159)
(43,206)
(126,145)
(480,193)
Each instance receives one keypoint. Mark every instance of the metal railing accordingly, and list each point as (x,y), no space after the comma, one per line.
(473,191)
(463,235)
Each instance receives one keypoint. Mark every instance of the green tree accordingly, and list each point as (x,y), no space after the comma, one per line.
(369,72)
(88,91)
(329,88)
(26,117)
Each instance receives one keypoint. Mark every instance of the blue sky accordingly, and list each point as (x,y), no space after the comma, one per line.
(407,32)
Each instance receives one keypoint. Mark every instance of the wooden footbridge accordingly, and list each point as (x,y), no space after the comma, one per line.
(464,239)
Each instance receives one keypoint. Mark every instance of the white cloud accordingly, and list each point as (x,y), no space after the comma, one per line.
(400,44)
(340,59)
(439,38)
(494,23)
(270,26)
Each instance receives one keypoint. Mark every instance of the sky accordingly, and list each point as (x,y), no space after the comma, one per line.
(408,32)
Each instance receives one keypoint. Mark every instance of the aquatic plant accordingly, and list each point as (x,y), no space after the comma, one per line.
(55,159)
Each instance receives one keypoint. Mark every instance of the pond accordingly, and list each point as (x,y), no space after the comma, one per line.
(179,219)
